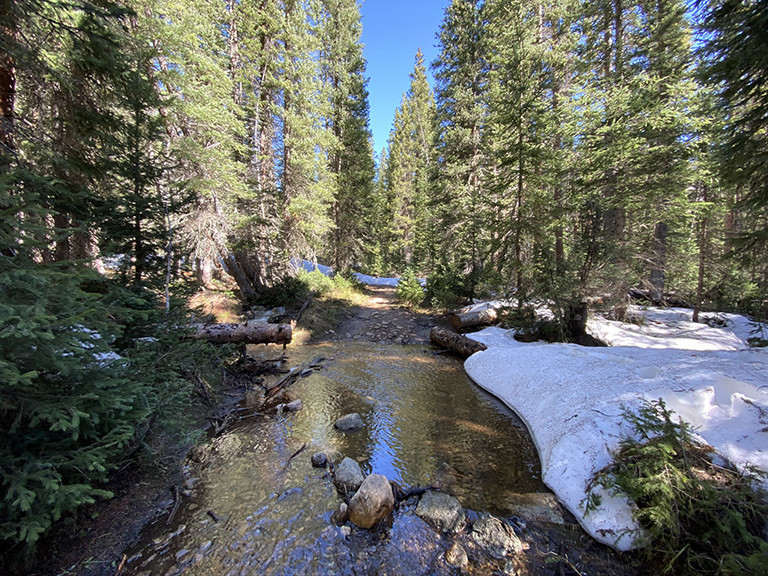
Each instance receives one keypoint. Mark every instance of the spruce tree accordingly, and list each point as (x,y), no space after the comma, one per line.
(410,163)
(735,66)
(460,95)
(351,154)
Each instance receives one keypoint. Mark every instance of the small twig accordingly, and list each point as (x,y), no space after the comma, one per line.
(213,515)
(302,309)
(299,451)
(121,565)
(176,501)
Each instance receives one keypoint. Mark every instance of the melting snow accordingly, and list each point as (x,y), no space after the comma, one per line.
(571,397)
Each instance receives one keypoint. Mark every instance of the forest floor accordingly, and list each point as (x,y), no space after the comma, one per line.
(92,542)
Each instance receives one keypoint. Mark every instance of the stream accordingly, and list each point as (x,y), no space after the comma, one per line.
(255,508)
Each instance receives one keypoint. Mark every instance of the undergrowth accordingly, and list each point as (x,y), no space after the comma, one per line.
(699,518)
(408,290)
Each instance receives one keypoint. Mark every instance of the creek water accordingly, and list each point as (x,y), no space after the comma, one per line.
(256,510)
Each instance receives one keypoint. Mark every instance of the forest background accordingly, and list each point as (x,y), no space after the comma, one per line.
(569,150)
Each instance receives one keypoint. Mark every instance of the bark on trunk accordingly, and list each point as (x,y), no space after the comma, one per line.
(457,343)
(658,271)
(475,318)
(249,333)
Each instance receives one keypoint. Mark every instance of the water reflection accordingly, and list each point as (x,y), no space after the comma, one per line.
(255,510)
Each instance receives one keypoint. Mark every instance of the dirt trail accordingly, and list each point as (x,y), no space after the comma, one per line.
(383,319)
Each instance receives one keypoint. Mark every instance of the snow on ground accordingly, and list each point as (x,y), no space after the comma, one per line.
(571,398)
(308,266)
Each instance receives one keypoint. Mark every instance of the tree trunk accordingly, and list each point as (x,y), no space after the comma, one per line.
(248,333)
(457,343)
(475,318)
(659,262)
(7,87)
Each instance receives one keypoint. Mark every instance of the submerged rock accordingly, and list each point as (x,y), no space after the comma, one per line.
(440,510)
(348,475)
(373,501)
(349,423)
(496,537)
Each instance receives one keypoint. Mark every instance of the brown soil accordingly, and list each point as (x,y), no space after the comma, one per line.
(382,319)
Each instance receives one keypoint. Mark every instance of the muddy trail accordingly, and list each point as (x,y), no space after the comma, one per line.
(100,541)
(383,320)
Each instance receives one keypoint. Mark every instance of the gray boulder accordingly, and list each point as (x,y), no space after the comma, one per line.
(440,510)
(349,423)
(496,537)
(373,501)
(348,476)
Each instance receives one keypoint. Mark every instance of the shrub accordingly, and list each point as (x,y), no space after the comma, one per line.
(445,288)
(408,290)
(700,518)
(82,374)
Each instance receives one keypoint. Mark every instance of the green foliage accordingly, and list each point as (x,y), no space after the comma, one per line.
(445,288)
(408,290)
(77,388)
(700,518)
(530,326)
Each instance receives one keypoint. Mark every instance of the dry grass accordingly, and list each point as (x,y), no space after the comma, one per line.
(217,303)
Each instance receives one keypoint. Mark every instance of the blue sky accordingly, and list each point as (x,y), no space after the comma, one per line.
(392,32)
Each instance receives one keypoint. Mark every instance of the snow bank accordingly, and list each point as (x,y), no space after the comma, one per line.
(571,398)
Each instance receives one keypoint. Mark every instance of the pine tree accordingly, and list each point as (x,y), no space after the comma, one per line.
(520,136)
(460,95)
(351,155)
(410,164)
(307,185)
(634,75)
(735,66)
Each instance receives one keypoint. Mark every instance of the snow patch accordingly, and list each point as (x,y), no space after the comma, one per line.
(571,399)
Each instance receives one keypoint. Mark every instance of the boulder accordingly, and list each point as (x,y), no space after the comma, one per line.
(496,537)
(349,423)
(373,501)
(348,476)
(440,510)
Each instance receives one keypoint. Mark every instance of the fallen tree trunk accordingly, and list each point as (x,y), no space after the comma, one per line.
(457,343)
(248,333)
(462,320)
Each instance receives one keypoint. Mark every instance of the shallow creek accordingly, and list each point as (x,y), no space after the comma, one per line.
(256,510)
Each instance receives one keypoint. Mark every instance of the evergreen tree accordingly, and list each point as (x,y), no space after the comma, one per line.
(75,392)
(520,137)
(634,80)
(460,95)
(409,168)
(736,32)
(351,155)
(307,184)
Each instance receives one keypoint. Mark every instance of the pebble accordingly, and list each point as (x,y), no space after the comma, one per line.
(319,460)
(456,556)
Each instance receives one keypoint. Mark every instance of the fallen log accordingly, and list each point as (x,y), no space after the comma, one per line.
(457,343)
(248,333)
(485,317)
